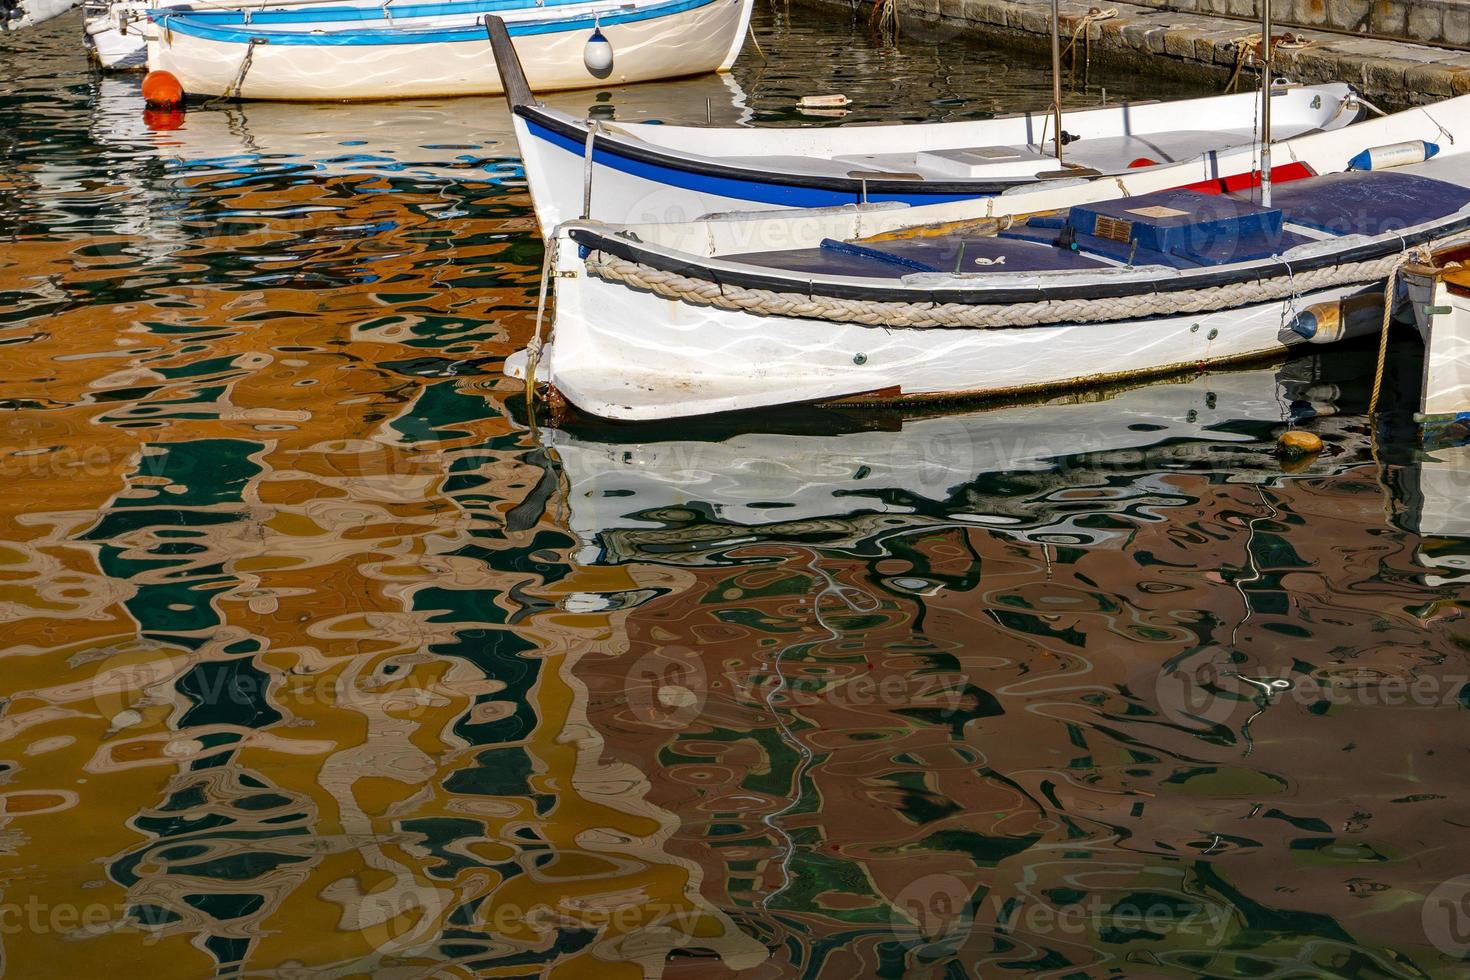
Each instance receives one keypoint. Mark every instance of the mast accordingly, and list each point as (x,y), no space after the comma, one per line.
(1267,57)
(1056,74)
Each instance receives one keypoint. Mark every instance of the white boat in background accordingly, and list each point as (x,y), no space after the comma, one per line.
(117,31)
(433,50)
(15,14)
(642,173)
(1038,290)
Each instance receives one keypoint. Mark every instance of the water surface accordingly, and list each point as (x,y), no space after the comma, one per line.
(317,661)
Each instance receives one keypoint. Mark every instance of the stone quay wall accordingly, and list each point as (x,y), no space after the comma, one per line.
(1392,73)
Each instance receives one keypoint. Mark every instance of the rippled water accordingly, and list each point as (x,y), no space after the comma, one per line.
(317,661)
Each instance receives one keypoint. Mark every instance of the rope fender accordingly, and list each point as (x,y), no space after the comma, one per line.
(877,313)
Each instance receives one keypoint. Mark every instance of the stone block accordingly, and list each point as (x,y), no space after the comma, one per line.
(1349,15)
(997,12)
(1429,80)
(1426,22)
(1389,17)
(1135,34)
(1112,31)
(1226,53)
(1033,19)
(1312,13)
(1456,29)
(1204,49)
(1316,65)
(1380,76)
(1180,42)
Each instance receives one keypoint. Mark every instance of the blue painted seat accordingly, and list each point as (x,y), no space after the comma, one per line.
(1180,229)
(896,259)
(1364,203)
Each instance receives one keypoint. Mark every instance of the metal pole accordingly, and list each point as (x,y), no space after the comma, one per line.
(1056,73)
(1267,58)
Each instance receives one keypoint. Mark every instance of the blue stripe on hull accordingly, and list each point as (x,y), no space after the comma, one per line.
(474,32)
(349,14)
(756,192)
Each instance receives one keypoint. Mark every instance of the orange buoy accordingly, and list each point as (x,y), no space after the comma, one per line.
(161,90)
(1296,442)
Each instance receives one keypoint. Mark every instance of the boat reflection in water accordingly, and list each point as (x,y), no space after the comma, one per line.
(1056,684)
(409,137)
(1436,504)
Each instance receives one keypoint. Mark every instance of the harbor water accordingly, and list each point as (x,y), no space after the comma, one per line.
(319,659)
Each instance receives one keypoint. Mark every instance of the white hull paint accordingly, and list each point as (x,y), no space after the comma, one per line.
(117,32)
(627,354)
(1443,317)
(556,179)
(702,39)
(30,12)
(1110,139)
(1323,153)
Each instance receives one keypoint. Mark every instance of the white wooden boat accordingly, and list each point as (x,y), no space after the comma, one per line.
(1031,291)
(644,173)
(117,31)
(441,49)
(24,13)
(1439,291)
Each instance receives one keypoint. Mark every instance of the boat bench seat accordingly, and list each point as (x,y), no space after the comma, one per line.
(898,258)
(1180,229)
(1115,154)
(1359,203)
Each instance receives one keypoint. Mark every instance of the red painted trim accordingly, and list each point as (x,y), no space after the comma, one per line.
(1242,182)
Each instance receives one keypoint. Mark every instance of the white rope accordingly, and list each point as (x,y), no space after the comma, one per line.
(534,348)
(765,302)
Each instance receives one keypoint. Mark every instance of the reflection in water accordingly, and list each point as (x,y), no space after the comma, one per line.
(1069,680)
(317,660)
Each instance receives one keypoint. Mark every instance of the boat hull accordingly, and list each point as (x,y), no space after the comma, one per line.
(700,38)
(27,13)
(117,31)
(683,360)
(1442,314)
(665,174)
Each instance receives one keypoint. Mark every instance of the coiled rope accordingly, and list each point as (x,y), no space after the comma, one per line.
(1081,31)
(878,313)
(1249,46)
